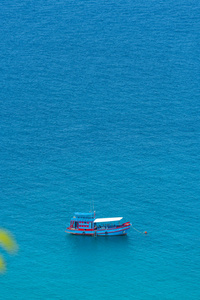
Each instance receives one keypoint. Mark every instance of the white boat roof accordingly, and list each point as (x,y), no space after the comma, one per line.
(105,220)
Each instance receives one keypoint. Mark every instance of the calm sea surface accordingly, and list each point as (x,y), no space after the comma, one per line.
(100,101)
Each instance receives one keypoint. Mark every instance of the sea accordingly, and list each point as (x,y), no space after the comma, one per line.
(100,110)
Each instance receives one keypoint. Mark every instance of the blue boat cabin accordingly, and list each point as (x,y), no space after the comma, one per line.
(83,221)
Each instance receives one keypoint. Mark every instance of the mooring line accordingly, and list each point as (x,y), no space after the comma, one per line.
(145,232)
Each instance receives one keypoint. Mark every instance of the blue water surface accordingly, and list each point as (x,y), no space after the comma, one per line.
(99,102)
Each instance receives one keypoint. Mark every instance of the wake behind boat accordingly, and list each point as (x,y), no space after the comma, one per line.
(88,224)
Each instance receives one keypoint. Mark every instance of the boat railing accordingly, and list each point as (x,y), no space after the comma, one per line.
(100,227)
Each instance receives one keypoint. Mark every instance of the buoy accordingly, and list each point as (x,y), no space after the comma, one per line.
(145,232)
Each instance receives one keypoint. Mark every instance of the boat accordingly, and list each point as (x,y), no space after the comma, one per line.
(88,224)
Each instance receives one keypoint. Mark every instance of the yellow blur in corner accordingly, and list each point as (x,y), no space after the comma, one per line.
(7,242)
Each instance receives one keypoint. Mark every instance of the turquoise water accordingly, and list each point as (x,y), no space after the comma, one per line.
(100,102)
